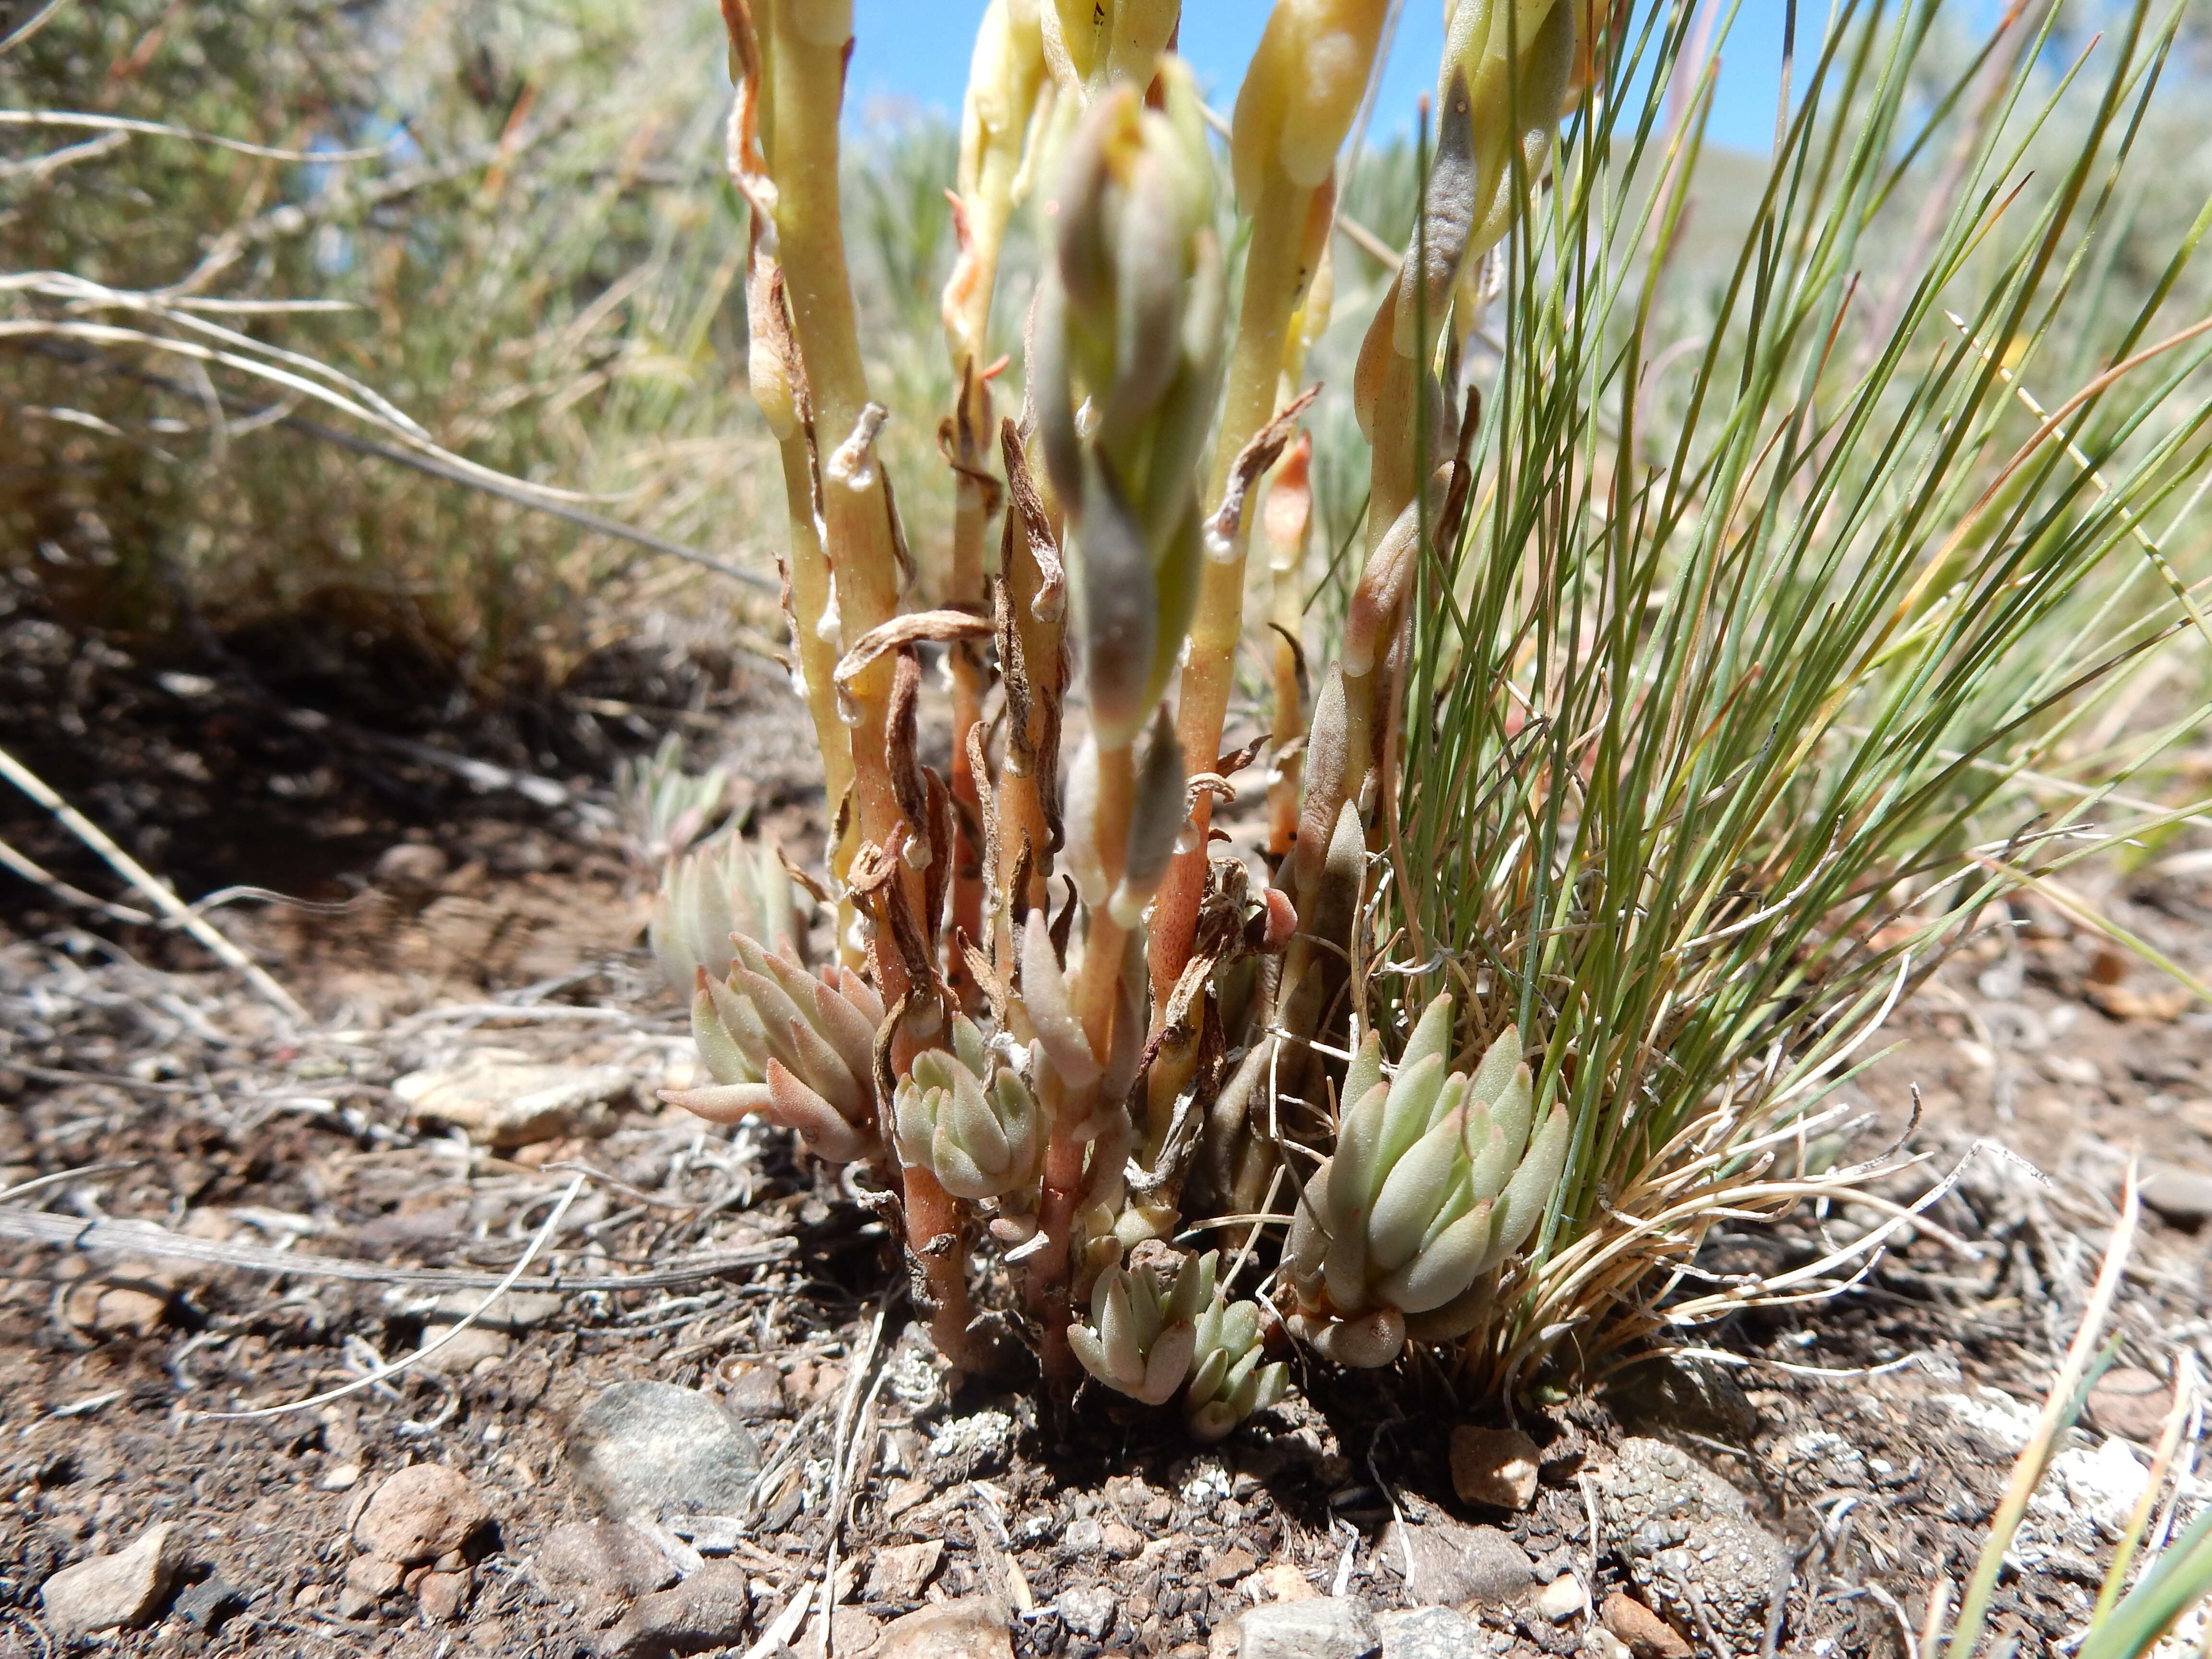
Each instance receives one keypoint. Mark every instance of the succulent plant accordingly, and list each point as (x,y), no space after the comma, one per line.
(1143,1333)
(970,1120)
(1436,1180)
(724,886)
(1127,361)
(1230,1376)
(794,1047)
(663,808)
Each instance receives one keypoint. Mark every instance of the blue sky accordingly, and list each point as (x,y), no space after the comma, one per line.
(914,52)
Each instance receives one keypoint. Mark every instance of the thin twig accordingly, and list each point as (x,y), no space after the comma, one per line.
(78,121)
(384,1373)
(32,870)
(144,1238)
(147,883)
(31,25)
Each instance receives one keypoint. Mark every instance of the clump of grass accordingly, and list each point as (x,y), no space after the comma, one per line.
(1770,652)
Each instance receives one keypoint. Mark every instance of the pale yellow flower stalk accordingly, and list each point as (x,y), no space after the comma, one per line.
(1305,84)
(1008,105)
(1092,45)
(778,387)
(1285,517)
(1506,70)
(791,55)
(802,46)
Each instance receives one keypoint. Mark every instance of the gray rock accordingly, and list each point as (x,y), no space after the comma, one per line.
(1088,1610)
(1430,1633)
(1456,1563)
(104,1591)
(211,1602)
(755,1391)
(1325,1627)
(2182,1196)
(709,1609)
(601,1563)
(655,1450)
(1085,1535)
(1689,1541)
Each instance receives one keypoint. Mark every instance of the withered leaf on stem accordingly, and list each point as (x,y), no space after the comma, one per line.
(875,885)
(986,838)
(901,738)
(938,804)
(903,633)
(1049,604)
(1254,458)
(986,977)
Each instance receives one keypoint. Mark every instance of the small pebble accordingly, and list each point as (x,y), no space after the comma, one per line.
(1326,1627)
(601,1562)
(2131,1403)
(1429,1633)
(1641,1631)
(1494,1468)
(973,1627)
(1088,1610)
(106,1591)
(211,1602)
(1562,1599)
(709,1609)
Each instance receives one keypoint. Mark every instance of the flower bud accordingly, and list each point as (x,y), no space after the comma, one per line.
(1093,43)
(1506,68)
(1045,998)
(1128,327)
(1304,86)
(1157,811)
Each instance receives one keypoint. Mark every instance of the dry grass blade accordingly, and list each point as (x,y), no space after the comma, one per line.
(2059,1407)
(151,885)
(386,1373)
(145,1238)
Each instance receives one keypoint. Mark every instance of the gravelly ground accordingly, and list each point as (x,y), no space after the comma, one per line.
(179,1099)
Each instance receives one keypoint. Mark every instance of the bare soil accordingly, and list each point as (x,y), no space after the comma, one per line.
(158,1088)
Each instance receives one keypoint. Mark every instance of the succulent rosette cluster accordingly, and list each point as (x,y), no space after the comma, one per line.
(1162,1324)
(792,1046)
(707,893)
(1436,1180)
(969,1119)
